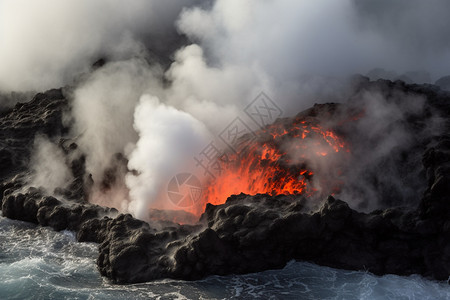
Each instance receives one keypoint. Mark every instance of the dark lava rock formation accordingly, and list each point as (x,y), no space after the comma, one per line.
(443,83)
(19,126)
(247,233)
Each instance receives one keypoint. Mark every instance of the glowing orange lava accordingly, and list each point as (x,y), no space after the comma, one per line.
(275,162)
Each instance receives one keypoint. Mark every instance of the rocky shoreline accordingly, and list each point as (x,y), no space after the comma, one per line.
(247,233)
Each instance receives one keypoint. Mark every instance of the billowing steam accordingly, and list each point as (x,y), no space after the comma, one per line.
(202,62)
(168,138)
(103,110)
(45,43)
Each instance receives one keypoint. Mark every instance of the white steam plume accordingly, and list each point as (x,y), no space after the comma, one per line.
(168,138)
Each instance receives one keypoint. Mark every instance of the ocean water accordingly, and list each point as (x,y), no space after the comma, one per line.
(38,263)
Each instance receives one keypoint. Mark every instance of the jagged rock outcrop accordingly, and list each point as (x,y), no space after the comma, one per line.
(248,233)
(19,126)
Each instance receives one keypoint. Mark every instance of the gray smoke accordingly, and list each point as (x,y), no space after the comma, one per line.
(48,165)
(413,34)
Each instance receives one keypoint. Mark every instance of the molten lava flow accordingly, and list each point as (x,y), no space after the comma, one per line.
(275,162)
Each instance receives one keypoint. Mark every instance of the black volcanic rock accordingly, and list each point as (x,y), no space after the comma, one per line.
(247,233)
(418,76)
(254,233)
(444,82)
(18,127)
(79,188)
(34,207)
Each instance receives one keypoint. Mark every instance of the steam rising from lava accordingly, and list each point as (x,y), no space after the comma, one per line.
(155,158)
(279,160)
(204,60)
(362,151)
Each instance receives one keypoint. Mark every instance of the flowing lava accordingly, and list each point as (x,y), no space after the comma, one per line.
(275,161)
